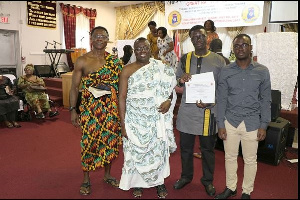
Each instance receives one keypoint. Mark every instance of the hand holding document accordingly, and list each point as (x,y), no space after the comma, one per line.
(201,87)
(98,92)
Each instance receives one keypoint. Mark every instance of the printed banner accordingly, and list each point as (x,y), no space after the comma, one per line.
(41,14)
(186,14)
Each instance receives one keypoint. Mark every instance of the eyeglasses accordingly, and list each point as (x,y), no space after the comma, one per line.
(198,37)
(140,49)
(238,46)
(101,37)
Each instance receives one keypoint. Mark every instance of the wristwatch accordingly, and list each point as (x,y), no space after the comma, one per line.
(71,108)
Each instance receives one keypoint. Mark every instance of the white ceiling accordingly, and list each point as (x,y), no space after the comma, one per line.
(119,3)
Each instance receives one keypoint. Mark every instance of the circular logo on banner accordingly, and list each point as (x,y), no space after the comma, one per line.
(174,18)
(250,13)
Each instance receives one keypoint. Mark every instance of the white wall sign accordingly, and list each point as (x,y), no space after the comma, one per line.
(185,14)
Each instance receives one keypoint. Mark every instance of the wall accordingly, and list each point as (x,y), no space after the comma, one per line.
(32,39)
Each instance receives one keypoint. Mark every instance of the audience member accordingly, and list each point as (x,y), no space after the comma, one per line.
(98,71)
(9,103)
(216,47)
(193,117)
(128,56)
(34,90)
(243,114)
(211,31)
(152,38)
(165,45)
(147,123)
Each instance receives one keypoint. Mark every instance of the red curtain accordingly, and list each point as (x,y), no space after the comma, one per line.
(69,18)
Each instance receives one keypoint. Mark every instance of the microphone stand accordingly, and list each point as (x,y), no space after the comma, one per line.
(47,44)
(56,43)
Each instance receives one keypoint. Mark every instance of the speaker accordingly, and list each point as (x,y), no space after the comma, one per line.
(271,150)
(62,68)
(44,71)
(275,104)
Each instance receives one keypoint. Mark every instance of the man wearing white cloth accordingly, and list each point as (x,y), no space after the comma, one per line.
(145,95)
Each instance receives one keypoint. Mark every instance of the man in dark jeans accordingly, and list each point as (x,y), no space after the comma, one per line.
(197,118)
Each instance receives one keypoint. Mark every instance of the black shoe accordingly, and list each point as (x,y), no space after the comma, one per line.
(245,196)
(227,193)
(181,183)
(210,189)
(53,114)
(40,115)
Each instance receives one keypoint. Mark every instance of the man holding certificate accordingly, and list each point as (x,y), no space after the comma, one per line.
(198,73)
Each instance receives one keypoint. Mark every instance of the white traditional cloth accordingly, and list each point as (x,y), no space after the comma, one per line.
(150,133)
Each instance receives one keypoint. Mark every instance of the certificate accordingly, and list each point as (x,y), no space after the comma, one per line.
(201,87)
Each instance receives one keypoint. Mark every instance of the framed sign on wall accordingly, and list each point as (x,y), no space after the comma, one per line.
(41,14)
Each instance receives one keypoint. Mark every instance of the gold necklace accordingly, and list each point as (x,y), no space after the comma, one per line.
(208,52)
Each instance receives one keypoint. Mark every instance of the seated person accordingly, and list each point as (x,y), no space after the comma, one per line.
(128,56)
(37,99)
(9,104)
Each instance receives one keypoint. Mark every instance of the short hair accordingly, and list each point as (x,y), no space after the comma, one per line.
(195,28)
(153,23)
(216,44)
(212,24)
(140,39)
(163,30)
(99,27)
(241,36)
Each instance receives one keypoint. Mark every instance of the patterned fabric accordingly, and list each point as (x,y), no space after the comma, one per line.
(150,133)
(170,57)
(34,98)
(99,117)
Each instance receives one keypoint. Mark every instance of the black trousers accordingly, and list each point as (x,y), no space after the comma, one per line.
(11,116)
(207,143)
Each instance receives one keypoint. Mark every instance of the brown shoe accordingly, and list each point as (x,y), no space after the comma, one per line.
(198,155)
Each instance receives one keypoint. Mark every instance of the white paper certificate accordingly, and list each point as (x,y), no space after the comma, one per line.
(201,87)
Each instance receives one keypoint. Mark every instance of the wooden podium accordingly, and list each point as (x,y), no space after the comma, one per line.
(66,87)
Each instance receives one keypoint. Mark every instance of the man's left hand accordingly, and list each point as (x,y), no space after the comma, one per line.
(261,134)
(164,107)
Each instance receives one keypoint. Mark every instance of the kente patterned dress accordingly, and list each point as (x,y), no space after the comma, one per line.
(150,133)
(99,117)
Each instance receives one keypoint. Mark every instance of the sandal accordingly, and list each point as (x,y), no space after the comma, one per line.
(85,188)
(8,124)
(40,115)
(112,181)
(137,192)
(161,191)
(16,125)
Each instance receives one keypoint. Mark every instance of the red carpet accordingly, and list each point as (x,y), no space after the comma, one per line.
(41,160)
